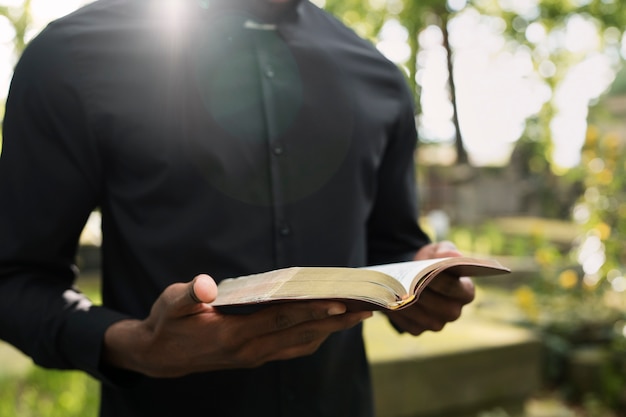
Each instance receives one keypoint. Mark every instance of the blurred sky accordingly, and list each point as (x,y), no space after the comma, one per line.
(43,12)
(497,88)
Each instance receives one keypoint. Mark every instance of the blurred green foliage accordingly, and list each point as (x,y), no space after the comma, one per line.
(49,393)
(39,392)
(574,293)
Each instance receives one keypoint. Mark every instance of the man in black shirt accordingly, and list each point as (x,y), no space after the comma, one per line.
(221,137)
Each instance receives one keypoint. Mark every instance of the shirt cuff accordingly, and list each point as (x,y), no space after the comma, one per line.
(82,339)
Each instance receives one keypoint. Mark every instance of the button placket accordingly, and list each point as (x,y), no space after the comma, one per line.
(278,149)
(269,75)
(284,230)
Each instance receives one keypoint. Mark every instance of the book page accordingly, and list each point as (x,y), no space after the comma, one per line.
(310,283)
(405,272)
(415,275)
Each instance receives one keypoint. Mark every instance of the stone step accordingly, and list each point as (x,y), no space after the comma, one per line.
(471,366)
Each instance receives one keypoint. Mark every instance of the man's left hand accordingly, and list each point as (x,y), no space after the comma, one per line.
(441,301)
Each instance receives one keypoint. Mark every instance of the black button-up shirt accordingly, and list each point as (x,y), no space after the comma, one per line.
(212,140)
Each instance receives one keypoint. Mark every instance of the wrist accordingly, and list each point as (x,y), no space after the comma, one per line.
(124,342)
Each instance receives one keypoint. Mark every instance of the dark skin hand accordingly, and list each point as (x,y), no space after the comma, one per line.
(183,334)
(442,300)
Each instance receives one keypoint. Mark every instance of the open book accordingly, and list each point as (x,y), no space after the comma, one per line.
(391,286)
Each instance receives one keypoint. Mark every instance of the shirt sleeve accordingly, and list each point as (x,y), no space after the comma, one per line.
(394,234)
(50,179)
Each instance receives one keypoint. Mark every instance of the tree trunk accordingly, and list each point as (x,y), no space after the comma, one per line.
(461,153)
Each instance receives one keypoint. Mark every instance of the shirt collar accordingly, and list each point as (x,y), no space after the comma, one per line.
(260,10)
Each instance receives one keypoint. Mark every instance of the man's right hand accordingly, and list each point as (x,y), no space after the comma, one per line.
(183,334)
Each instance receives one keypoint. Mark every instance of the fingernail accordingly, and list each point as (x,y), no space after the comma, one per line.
(336,310)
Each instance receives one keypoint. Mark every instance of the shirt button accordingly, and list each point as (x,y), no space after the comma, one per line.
(278,150)
(269,72)
(284,230)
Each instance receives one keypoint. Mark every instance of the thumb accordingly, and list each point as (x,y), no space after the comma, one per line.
(446,249)
(437,250)
(203,289)
(182,299)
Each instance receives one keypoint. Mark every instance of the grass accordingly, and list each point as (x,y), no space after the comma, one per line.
(27,390)
(49,393)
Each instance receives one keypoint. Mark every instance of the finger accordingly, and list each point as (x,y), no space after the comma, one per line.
(284,316)
(431,312)
(438,309)
(413,324)
(443,249)
(305,338)
(456,288)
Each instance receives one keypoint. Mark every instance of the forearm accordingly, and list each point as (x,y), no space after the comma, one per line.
(52,323)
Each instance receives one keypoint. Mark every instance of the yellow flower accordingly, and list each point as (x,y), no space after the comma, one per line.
(545,256)
(603,230)
(537,229)
(605,177)
(568,278)
(525,296)
(526,301)
(592,136)
(612,142)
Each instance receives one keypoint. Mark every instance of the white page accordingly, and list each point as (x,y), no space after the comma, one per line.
(405,272)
